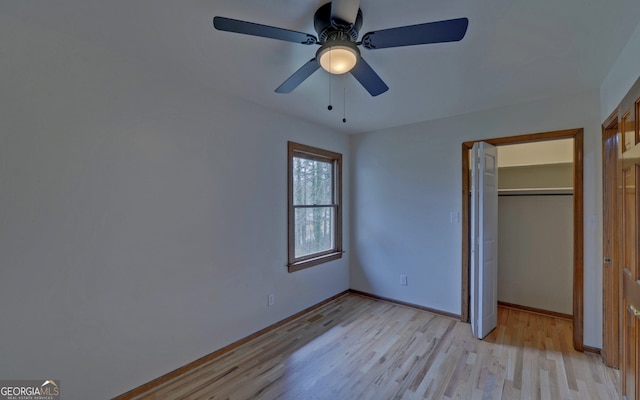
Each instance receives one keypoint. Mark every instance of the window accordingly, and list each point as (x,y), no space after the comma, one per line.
(315,212)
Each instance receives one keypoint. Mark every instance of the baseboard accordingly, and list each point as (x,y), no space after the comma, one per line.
(203,360)
(536,310)
(592,350)
(404,303)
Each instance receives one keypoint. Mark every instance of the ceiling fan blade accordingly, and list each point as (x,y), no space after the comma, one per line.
(344,12)
(298,77)
(368,78)
(250,28)
(431,32)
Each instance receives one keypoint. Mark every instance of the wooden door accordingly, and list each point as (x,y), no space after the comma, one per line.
(610,239)
(629,181)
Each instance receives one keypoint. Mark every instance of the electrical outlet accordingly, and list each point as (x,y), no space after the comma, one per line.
(403,280)
(271,299)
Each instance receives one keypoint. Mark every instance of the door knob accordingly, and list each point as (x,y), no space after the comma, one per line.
(633,310)
(607,260)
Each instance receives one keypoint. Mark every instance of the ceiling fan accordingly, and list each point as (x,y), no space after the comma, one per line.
(337,24)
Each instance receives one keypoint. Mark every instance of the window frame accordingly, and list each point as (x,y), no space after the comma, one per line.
(315,154)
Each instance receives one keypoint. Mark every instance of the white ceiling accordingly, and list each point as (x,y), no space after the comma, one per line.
(514,51)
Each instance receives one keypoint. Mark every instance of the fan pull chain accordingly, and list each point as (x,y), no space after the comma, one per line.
(329,107)
(344,100)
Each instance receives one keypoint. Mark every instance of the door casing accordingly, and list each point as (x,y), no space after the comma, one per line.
(578,220)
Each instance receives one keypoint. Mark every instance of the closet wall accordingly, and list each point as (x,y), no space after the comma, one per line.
(535,217)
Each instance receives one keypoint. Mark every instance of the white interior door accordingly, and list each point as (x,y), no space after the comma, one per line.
(484,239)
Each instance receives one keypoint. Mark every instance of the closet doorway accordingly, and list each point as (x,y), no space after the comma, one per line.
(511,176)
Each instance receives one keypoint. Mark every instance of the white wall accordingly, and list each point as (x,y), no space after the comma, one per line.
(535,252)
(536,153)
(143,220)
(621,77)
(406,181)
(536,176)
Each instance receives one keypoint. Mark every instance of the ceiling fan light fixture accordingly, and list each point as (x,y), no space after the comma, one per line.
(338,58)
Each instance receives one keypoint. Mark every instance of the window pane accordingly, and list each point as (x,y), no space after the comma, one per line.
(312,182)
(313,230)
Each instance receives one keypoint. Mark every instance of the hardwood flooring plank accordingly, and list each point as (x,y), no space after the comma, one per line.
(355,347)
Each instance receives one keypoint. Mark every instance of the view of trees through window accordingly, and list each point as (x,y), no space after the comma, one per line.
(313,201)
(314,218)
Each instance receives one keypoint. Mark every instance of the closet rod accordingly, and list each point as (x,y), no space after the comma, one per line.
(533,194)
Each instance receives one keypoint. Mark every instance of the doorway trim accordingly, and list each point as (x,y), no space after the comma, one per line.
(578,220)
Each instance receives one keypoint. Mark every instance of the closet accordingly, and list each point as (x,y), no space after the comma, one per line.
(535,226)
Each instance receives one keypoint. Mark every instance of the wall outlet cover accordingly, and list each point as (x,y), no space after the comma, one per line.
(271,299)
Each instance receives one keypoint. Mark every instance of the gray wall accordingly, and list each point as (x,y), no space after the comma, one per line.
(621,77)
(143,220)
(535,251)
(406,183)
(536,176)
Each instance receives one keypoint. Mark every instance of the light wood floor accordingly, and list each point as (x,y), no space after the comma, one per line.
(359,348)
